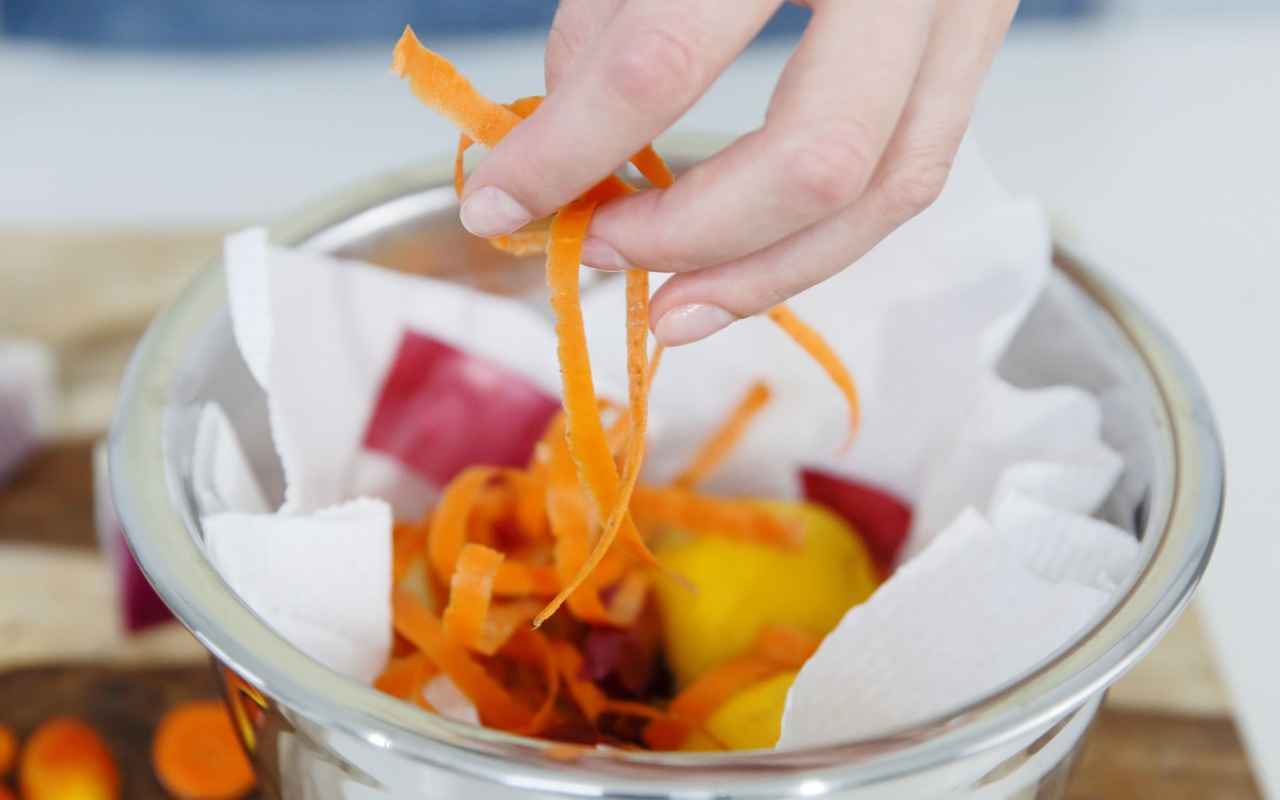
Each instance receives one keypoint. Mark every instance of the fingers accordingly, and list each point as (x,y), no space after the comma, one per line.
(653,60)
(577,24)
(833,114)
(916,162)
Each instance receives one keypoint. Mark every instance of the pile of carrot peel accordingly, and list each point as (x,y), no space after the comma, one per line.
(505,548)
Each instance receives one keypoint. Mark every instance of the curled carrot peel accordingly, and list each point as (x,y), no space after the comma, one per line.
(493,702)
(713,516)
(197,755)
(66,758)
(8,749)
(653,168)
(721,444)
(638,370)
(440,87)
(820,350)
(523,242)
(470,592)
(448,531)
(404,677)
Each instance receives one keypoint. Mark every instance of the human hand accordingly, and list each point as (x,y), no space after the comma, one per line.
(859,137)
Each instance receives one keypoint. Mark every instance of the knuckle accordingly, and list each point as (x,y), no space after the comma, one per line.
(830,167)
(917,178)
(657,71)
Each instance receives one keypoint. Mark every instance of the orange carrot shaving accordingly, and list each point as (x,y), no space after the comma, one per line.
(503,621)
(470,591)
(440,87)
(197,755)
(695,705)
(494,703)
(523,242)
(8,749)
(786,645)
(403,676)
(5,794)
(819,350)
(653,168)
(713,516)
(66,758)
(449,525)
(638,370)
(721,443)
(524,580)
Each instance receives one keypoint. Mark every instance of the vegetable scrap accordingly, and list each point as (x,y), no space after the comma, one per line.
(8,749)
(66,758)
(197,754)
(670,640)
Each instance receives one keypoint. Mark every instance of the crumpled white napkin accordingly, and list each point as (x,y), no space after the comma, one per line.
(1002,479)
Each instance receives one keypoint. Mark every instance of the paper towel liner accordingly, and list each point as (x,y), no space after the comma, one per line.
(1004,567)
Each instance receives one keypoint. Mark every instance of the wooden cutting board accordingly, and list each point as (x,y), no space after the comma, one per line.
(1146,747)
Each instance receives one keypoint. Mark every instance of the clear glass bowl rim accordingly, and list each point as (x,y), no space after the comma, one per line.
(147,485)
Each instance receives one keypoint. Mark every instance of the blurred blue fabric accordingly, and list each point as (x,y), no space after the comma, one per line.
(222,24)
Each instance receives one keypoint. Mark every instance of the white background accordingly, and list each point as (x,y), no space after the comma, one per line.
(1152,136)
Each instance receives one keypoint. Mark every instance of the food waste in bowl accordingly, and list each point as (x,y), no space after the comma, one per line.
(313,733)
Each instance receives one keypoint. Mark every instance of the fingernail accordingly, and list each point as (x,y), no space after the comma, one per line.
(690,323)
(492,212)
(599,254)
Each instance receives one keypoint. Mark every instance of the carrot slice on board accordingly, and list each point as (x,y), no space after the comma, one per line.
(693,706)
(8,749)
(66,758)
(470,592)
(721,443)
(197,755)
(494,703)
(786,645)
(819,350)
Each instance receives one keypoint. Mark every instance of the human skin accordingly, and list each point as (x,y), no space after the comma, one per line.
(859,137)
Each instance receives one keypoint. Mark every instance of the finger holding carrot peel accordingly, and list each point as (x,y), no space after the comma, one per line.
(858,138)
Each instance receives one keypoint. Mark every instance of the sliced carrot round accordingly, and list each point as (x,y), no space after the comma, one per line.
(66,758)
(8,749)
(197,755)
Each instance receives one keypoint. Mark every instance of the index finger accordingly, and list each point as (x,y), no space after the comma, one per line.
(653,61)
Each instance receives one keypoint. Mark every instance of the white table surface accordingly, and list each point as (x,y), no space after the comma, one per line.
(1154,145)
